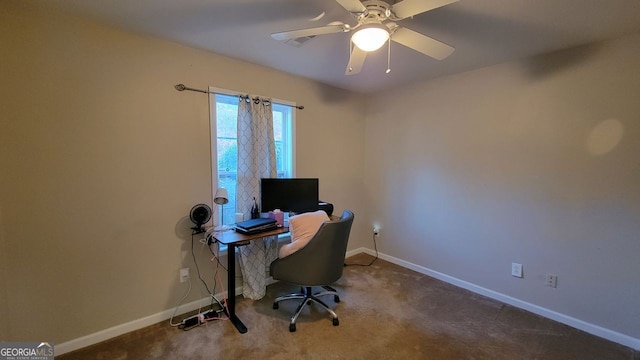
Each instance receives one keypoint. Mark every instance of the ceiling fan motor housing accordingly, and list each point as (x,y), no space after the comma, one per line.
(377,11)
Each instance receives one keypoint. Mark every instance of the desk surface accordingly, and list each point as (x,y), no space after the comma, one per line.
(234,237)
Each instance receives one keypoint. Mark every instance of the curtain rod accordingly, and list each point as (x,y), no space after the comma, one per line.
(182,87)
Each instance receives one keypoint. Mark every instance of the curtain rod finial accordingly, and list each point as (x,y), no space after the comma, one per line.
(180,87)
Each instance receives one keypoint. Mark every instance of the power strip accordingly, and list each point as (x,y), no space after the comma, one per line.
(199,319)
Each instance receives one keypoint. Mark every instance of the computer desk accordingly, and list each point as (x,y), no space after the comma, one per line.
(234,239)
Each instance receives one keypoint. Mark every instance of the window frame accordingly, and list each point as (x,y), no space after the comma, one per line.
(276,104)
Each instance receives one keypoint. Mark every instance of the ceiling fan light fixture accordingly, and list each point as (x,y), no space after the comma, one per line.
(370,37)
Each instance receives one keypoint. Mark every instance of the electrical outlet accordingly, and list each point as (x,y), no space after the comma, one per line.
(184,275)
(551,280)
(516,270)
(376,231)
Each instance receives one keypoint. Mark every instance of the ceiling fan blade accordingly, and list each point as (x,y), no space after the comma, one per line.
(408,8)
(294,34)
(356,61)
(352,6)
(422,43)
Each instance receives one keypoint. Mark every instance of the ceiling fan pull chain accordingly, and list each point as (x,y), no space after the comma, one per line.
(350,51)
(389,57)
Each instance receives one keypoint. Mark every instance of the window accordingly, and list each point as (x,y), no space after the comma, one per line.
(224,114)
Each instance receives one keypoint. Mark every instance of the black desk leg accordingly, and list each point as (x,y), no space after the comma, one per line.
(231,284)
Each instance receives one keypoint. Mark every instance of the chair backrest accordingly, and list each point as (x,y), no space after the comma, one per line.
(321,261)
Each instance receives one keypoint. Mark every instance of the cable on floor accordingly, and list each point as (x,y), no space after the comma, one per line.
(375,246)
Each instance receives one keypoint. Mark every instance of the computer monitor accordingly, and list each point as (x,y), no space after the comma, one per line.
(297,195)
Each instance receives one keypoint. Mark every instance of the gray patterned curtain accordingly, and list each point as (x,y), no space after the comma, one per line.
(256,152)
(256,159)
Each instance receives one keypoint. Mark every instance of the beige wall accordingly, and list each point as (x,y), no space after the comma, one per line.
(102,159)
(534,162)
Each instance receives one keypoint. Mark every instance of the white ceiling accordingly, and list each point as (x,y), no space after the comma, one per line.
(484,32)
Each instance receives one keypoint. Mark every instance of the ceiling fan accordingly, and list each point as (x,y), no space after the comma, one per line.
(377,25)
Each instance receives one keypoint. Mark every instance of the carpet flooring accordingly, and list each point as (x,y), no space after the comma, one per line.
(385,312)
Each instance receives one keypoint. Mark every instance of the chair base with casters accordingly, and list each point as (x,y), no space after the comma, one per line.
(307,295)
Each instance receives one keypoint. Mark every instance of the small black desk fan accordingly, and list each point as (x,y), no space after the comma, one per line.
(199,215)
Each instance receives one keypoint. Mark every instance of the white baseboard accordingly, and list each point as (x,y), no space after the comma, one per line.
(137,324)
(130,326)
(596,330)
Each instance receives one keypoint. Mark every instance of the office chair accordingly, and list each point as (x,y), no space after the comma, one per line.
(318,263)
